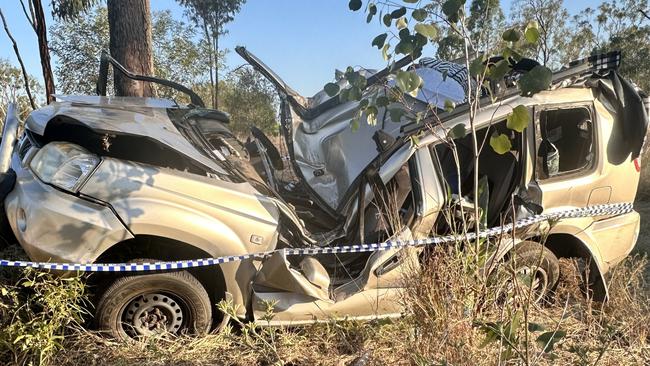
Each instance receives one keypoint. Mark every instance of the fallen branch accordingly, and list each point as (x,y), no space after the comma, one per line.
(20,60)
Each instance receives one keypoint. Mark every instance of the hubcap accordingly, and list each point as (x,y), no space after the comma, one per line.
(154,314)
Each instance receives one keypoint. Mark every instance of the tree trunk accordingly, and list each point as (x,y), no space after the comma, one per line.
(41,33)
(129,22)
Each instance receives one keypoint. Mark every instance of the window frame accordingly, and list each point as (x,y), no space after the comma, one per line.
(572,174)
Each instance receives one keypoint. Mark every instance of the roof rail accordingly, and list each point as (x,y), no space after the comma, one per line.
(593,63)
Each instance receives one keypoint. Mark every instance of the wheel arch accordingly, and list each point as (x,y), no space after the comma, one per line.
(567,245)
(228,281)
(167,249)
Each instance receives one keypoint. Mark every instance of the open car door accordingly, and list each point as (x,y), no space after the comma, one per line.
(300,289)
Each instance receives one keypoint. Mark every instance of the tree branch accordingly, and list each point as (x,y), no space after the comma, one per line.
(644,14)
(27,15)
(20,60)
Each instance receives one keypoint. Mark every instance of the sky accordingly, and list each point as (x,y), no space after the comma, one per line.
(304,41)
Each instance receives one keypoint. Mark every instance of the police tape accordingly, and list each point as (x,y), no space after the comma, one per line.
(591,211)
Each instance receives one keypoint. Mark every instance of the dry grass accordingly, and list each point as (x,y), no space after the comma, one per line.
(450,316)
(444,328)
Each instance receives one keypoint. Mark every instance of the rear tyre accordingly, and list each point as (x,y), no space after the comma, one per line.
(142,305)
(534,268)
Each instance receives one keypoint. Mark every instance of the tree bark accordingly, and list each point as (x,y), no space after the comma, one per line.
(130,44)
(41,33)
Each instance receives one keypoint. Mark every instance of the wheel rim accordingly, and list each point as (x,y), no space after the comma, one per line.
(154,313)
(527,278)
(539,279)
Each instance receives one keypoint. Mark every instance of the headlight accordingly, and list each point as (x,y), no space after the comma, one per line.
(64,165)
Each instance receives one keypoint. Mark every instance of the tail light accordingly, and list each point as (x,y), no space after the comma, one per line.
(637,164)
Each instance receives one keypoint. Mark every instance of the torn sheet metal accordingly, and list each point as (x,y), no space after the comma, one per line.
(146,117)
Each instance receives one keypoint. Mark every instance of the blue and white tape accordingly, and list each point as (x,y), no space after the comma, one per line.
(591,211)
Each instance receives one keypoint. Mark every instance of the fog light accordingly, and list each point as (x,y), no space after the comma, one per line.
(21,220)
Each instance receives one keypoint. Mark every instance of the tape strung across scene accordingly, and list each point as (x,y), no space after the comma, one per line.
(597,210)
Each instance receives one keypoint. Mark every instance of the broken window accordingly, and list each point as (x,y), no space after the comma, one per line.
(565,142)
(498,173)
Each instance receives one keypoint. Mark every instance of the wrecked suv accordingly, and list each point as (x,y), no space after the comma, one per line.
(115,180)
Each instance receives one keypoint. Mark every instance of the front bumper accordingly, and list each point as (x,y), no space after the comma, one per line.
(55,226)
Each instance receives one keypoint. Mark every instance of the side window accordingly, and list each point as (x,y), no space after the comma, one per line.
(565,142)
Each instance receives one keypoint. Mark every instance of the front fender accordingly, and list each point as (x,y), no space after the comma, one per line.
(221,218)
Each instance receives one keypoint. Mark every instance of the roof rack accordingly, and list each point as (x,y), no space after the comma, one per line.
(590,64)
(575,69)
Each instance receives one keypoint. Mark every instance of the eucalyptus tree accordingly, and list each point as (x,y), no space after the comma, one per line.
(77,44)
(130,38)
(211,16)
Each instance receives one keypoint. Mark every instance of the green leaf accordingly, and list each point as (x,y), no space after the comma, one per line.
(532,32)
(387,20)
(511,35)
(354,93)
(457,132)
(509,52)
(355,5)
(384,52)
(548,339)
(354,124)
(500,143)
(408,82)
(534,327)
(535,80)
(401,23)
(499,70)
(371,115)
(372,8)
(332,89)
(477,67)
(518,119)
(451,8)
(379,40)
(449,106)
(398,13)
(382,101)
(419,14)
(404,47)
(428,30)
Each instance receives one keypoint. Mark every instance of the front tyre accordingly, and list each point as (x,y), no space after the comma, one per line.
(143,305)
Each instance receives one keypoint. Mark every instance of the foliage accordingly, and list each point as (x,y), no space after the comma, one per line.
(177,56)
(617,25)
(78,43)
(68,9)
(211,16)
(12,89)
(550,17)
(251,101)
(35,314)
(484,23)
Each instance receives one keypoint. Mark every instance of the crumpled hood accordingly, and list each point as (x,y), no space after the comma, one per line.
(146,117)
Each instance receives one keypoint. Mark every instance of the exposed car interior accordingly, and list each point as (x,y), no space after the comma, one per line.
(501,171)
(567,141)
